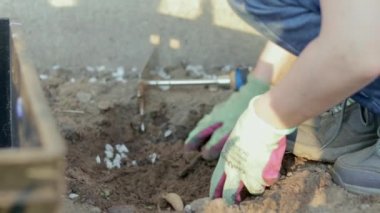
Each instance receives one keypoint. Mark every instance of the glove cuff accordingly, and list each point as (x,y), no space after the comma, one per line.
(264,124)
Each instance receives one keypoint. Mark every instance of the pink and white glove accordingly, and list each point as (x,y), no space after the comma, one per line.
(251,157)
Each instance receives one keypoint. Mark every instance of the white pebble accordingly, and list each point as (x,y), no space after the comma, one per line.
(56,67)
(90,69)
(72,80)
(121,79)
(134,163)
(121,148)
(188,209)
(92,80)
(162,73)
(108,163)
(101,68)
(227,68)
(44,77)
(153,157)
(117,161)
(73,196)
(123,155)
(98,161)
(164,88)
(196,70)
(109,147)
(119,72)
(167,133)
(134,69)
(108,153)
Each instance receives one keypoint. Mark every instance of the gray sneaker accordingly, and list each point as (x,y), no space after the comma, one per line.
(359,172)
(344,129)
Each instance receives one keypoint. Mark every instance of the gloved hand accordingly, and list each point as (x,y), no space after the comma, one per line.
(251,157)
(213,129)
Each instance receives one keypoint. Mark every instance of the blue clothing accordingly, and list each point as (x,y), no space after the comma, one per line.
(292,24)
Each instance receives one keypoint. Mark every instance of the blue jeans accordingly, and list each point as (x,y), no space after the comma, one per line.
(292,24)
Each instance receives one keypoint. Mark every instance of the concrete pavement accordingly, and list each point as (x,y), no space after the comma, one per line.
(76,33)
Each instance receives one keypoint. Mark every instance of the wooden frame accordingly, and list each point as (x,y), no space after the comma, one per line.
(31,174)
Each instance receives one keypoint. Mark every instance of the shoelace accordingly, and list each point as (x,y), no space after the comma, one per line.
(341,108)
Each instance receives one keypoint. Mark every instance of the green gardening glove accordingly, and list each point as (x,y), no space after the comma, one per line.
(251,157)
(213,130)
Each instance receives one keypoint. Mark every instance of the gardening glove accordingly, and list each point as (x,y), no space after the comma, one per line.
(213,129)
(251,157)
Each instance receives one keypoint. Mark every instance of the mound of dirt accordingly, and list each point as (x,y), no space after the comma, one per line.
(93,109)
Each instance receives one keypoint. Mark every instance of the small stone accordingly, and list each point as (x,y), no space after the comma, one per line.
(56,67)
(95,210)
(122,209)
(109,147)
(152,158)
(117,161)
(199,204)
(90,69)
(188,209)
(98,161)
(164,88)
(167,133)
(104,105)
(161,72)
(92,80)
(107,192)
(101,68)
(108,163)
(134,163)
(73,196)
(72,80)
(195,70)
(121,148)
(44,77)
(123,155)
(289,174)
(134,69)
(70,133)
(122,80)
(84,97)
(227,68)
(108,153)
(119,72)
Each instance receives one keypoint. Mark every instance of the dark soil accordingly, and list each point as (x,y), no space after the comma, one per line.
(111,116)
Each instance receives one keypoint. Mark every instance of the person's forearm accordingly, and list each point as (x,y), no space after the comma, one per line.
(342,60)
(318,80)
(273,64)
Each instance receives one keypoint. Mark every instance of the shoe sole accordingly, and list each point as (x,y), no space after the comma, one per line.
(353,188)
(325,155)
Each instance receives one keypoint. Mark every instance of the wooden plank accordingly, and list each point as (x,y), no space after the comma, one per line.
(34,99)
(28,200)
(37,165)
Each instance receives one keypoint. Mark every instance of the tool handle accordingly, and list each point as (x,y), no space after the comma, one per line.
(239,77)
